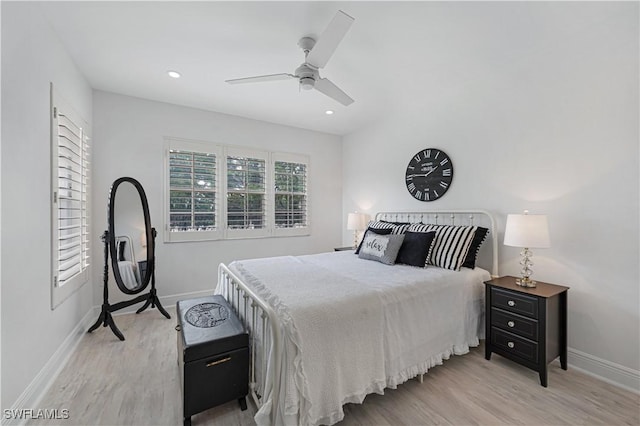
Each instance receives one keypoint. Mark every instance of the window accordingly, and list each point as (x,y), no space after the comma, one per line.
(290,194)
(70,139)
(246,193)
(192,191)
(193,178)
(218,192)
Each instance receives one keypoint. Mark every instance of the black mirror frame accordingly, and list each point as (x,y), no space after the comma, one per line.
(149,233)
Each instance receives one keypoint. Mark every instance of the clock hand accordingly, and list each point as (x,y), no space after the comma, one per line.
(416,175)
(430,171)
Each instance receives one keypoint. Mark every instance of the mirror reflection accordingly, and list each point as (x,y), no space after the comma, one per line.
(130,236)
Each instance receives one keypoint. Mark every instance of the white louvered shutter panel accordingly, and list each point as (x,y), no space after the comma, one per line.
(247,184)
(291,208)
(70,210)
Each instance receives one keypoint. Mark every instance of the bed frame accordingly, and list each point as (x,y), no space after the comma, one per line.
(261,320)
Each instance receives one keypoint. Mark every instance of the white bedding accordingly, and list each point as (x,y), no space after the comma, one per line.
(352,327)
(128,274)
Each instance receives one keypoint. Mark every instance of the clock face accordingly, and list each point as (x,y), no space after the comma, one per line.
(429,174)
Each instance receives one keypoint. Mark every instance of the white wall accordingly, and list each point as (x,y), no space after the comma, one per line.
(549,123)
(31,332)
(128,136)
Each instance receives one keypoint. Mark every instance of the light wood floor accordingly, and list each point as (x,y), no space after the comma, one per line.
(136,382)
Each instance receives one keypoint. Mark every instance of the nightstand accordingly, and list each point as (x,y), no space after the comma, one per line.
(343,248)
(526,325)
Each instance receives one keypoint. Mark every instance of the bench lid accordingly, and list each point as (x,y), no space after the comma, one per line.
(209,327)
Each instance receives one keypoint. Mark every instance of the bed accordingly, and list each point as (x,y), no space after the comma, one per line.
(127,262)
(330,328)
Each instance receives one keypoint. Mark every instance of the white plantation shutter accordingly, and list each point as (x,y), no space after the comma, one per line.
(291,209)
(70,200)
(247,203)
(192,197)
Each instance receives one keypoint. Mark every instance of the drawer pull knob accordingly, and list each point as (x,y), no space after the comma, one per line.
(219,361)
(511,303)
(511,324)
(511,345)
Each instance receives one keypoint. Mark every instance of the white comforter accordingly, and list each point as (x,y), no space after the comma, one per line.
(352,327)
(128,274)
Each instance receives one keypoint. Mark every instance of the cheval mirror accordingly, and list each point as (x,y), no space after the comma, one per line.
(130,242)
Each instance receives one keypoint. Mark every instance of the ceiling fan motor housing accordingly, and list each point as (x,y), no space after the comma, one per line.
(307,76)
(307,83)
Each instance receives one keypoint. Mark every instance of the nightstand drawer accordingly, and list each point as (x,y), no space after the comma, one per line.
(514,323)
(515,345)
(515,302)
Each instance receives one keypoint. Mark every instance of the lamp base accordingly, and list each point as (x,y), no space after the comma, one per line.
(526,282)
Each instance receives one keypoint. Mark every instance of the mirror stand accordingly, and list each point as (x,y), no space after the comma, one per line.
(151,299)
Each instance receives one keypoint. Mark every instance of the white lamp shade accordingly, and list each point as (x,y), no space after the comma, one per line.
(527,230)
(356,221)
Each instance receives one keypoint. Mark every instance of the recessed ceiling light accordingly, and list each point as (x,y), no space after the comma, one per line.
(174,74)
(329,112)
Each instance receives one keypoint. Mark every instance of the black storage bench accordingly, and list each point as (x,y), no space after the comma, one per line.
(213,355)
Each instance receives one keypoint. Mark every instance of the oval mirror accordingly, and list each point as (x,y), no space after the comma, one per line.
(131,240)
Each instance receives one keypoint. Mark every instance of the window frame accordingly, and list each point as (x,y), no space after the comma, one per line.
(222,152)
(59,107)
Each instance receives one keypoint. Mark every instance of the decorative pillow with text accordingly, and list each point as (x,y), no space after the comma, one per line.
(381,248)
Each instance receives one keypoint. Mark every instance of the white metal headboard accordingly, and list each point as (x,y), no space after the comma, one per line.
(488,254)
(127,239)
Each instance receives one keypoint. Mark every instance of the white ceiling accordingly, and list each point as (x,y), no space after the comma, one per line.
(394,53)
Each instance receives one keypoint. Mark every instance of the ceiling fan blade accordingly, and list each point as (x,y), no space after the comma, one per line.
(325,86)
(329,40)
(261,78)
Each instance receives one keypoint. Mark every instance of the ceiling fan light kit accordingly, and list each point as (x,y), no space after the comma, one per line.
(317,53)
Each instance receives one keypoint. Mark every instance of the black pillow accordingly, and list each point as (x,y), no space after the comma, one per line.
(121,245)
(375,231)
(478,239)
(415,248)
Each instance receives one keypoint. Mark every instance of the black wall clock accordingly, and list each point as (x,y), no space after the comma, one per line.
(429,174)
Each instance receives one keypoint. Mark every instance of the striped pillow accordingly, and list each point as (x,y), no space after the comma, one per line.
(450,246)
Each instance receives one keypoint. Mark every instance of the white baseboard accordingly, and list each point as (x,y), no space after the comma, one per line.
(610,372)
(168,302)
(32,395)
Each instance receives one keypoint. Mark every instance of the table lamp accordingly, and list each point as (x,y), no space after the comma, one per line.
(356,222)
(526,231)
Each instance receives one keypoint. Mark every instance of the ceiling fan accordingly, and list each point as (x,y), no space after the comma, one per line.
(317,53)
